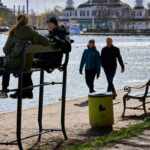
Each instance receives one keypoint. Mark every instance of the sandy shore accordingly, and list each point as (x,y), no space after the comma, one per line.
(77,122)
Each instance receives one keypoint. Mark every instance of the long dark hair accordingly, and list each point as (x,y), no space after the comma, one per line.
(22,20)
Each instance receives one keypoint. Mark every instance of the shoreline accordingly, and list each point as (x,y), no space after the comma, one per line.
(46,105)
(77,121)
(115,34)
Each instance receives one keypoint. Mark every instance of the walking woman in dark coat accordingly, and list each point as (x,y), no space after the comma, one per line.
(109,56)
(91,61)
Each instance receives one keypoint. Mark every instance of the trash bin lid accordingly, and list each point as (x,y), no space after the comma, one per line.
(107,94)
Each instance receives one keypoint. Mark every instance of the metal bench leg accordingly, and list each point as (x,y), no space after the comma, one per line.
(19,113)
(40,111)
(63,105)
(124,106)
(144,107)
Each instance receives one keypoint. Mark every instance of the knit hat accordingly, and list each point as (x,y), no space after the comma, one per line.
(52,20)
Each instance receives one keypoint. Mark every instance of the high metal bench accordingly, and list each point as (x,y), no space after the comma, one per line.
(63,68)
(141,96)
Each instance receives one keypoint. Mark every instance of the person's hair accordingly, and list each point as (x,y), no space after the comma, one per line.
(22,20)
(91,42)
(109,38)
(53,20)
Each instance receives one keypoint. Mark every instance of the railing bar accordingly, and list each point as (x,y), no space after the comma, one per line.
(35,86)
(7,143)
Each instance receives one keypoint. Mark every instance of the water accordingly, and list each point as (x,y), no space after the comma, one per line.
(136,54)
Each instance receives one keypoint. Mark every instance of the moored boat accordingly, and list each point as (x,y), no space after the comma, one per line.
(4,28)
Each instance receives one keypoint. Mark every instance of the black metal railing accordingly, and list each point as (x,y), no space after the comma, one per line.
(41,86)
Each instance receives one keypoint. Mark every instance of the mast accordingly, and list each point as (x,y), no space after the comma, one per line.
(27,7)
(93,22)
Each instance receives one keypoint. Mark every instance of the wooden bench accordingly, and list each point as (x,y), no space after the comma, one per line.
(140,93)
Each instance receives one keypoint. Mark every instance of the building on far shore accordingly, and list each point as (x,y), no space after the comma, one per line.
(109,15)
(7,16)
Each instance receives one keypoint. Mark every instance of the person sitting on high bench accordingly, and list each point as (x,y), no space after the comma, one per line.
(56,40)
(60,36)
(20,32)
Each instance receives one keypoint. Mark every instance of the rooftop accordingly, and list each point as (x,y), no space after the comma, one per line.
(103,3)
(86,4)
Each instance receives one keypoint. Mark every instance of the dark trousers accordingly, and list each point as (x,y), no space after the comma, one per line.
(110,74)
(89,77)
(27,81)
(5,81)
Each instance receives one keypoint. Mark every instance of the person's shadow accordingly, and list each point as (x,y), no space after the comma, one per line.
(136,117)
(97,132)
(82,104)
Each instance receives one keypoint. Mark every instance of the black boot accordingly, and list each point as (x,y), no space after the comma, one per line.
(28,95)
(92,91)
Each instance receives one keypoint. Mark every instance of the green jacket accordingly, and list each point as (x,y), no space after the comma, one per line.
(13,48)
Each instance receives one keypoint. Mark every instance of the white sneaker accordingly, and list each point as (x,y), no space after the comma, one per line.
(3,95)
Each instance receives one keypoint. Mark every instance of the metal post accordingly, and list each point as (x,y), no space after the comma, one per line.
(63,105)
(19,112)
(27,6)
(40,111)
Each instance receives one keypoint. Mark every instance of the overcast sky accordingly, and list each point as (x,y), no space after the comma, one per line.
(42,5)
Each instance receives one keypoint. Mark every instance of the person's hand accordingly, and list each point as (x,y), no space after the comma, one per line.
(122,70)
(80,72)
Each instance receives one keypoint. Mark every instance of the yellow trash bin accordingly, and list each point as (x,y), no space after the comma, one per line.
(101,110)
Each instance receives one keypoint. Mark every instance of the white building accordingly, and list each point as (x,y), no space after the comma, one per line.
(139,10)
(113,15)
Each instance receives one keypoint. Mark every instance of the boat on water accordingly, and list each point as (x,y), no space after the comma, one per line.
(4,28)
(74,29)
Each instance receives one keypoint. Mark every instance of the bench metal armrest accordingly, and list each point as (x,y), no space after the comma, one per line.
(128,89)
